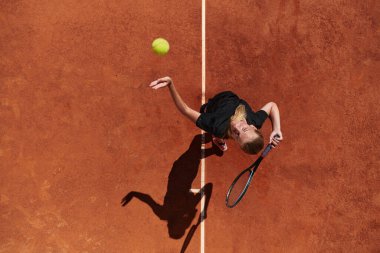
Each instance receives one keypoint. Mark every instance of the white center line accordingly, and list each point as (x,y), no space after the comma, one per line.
(195,190)
(203,165)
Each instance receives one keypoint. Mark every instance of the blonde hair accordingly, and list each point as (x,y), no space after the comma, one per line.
(254,146)
(240,113)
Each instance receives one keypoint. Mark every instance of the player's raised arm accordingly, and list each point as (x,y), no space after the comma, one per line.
(181,105)
(272,110)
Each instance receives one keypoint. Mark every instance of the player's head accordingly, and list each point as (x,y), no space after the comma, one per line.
(253,145)
(250,139)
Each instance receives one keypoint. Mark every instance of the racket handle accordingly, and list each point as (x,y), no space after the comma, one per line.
(266,150)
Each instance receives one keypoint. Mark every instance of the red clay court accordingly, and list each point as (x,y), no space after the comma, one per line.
(80,128)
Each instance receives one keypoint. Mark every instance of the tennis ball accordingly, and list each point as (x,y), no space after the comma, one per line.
(160,46)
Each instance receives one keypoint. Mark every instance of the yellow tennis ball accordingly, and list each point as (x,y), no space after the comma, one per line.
(160,46)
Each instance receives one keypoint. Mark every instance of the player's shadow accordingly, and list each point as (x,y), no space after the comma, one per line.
(179,207)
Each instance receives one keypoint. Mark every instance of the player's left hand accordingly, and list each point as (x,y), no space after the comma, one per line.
(161,82)
(275,138)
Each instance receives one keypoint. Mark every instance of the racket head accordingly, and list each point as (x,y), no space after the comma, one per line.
(239,187)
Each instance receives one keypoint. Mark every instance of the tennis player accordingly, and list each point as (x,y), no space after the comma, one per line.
(226,116)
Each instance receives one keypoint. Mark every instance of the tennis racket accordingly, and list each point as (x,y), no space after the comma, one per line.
(241,183)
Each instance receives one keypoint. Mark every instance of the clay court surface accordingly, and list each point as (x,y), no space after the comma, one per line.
(80,128)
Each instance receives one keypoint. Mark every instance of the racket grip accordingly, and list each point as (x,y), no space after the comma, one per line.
(266,151)
(268,148)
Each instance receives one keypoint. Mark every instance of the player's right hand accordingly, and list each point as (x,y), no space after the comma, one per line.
(275,138)
(161,82)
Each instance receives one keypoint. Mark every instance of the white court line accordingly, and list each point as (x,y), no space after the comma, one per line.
(203,165)
(195,190)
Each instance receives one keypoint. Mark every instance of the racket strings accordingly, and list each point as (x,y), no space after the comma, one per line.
(238,189)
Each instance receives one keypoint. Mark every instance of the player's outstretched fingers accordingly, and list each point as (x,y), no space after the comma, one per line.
(161,82)
(152,84)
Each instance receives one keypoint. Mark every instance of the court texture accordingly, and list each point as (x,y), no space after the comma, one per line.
(81,133)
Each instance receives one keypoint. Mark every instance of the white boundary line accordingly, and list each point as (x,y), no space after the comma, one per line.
(203,165)
(195,190)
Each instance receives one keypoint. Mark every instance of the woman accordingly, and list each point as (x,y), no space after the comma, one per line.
(226,116)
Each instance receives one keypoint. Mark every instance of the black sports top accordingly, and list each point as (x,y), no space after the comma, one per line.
(216,113)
